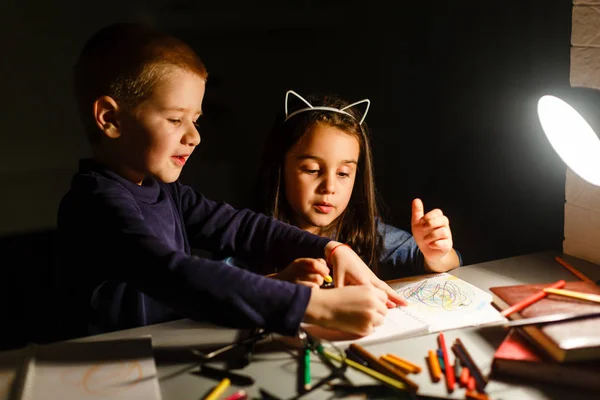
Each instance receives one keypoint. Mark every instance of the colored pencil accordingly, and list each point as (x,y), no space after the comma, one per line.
(434,366)
(474,372)
(573,294)
(464,377)
(531,299)
(407,365)
(471,394)
(573,270)
(471,383)
(382,367)
(371,372)
(218,390)
(450,378)
(239,395)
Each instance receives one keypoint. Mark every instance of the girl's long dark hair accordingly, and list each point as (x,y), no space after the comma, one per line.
(356,226)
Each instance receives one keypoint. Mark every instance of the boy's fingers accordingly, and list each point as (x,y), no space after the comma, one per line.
(378,320)
(319,266)
(390,304)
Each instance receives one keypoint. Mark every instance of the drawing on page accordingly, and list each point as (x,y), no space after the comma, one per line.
(104,379)
(433,294)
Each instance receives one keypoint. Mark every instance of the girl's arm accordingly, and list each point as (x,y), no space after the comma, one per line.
(401,256)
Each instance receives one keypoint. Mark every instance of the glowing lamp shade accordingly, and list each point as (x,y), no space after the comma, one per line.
(571,136)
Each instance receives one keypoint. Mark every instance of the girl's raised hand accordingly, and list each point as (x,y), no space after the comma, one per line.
(433,236)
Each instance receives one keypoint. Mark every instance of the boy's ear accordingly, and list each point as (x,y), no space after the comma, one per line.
(105,114)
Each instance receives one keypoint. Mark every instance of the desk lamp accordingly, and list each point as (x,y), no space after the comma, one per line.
(569,133)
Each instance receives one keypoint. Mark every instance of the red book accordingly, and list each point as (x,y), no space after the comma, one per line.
(566,341)
(518,359)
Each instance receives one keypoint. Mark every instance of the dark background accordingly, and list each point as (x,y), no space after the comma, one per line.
(453,85)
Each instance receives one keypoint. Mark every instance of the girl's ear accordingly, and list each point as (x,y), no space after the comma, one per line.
(295,103)
(364,113)
(105,114)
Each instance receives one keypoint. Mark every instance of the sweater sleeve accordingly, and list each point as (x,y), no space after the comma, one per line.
(400,256)
(120,246)
(249,236)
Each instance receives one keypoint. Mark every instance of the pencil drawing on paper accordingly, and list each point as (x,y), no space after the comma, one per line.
(104,379)
(447,295)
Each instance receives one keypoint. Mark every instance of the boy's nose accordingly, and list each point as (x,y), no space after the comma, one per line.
(191,137)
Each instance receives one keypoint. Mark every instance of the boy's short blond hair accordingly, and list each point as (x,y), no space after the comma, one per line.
(125,61)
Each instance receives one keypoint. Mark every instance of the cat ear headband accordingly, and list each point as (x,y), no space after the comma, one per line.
(332,109)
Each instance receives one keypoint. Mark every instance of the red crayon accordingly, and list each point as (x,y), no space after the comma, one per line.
(531,299)
(449,371)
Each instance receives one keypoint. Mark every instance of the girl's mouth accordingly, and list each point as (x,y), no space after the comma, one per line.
(324,208)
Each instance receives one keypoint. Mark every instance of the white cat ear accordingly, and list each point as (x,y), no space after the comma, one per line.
(297,96)
(357,103)
(310,107)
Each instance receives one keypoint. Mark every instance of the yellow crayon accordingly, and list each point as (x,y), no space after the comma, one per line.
(218,390)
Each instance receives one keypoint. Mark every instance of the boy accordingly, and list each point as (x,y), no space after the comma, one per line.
(126,226)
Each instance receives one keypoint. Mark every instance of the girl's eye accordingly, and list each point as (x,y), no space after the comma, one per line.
(311,171)
(344,174)
(174,121)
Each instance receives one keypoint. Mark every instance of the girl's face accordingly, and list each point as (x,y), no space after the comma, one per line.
(319,173)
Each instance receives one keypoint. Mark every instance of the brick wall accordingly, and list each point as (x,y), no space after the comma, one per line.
(582,208)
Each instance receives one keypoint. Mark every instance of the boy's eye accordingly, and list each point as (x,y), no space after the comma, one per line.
(174,120)
(196,124)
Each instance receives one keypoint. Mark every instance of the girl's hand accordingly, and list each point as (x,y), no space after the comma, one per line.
(434,238)
(349,269)
(305,271)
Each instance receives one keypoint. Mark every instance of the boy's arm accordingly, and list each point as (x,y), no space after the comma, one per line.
(250,236)
(116,243)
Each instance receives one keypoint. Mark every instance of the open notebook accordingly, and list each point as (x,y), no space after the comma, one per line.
(436,303)
(116,369)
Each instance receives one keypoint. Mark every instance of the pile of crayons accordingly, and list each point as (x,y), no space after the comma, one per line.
(464,371)
(390,365)
(388,369)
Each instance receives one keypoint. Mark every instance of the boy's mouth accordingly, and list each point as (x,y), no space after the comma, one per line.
(180,159)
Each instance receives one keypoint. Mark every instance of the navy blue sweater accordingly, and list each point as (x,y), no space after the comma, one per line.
(125,258)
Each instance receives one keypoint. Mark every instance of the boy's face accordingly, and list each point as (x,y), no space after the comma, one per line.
(161,134)
(319,174)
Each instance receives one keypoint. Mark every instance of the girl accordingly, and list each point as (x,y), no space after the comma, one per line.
(317,173)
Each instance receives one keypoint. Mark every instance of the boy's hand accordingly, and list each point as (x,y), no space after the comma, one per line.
(305,271)
(349,269)
(353,310)
(433,236)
